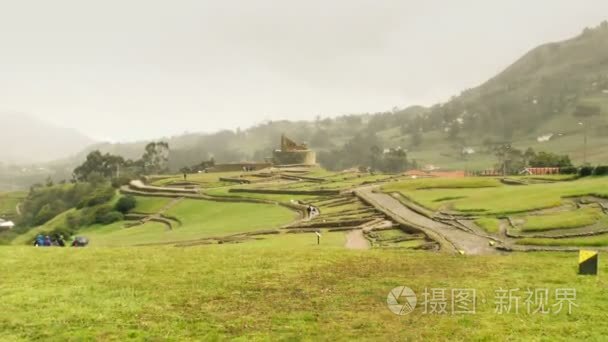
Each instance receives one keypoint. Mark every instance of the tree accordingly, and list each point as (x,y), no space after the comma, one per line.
(125,204)
(156,157)
(320,138)
(394,161)
(105,165)
(547,159)
(586,111)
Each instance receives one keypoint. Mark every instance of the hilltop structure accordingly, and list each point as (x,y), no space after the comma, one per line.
(292,153)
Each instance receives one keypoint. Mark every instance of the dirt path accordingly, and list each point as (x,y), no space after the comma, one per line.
(450,238)
(356,240)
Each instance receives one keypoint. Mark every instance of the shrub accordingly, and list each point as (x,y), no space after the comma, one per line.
(585,171)
(122,180)
(99,196)
(110,217)
(125,204)
(601,170)
(568,170)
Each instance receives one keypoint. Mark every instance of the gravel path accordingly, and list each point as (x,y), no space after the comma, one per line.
(356,240)
(450,238)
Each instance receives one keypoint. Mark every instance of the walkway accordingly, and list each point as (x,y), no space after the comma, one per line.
(450,238)
(356,240)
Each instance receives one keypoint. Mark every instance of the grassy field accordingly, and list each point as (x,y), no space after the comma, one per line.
(225,192)
(57,222)
(485,196)
(205,180)
(562,220)
(200,219)
(150,205)
(590,241)
(289,292)
(8,203)
(489,224)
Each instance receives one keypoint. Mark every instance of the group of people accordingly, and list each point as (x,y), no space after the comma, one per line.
(47,241)
(58,241)
(312,211)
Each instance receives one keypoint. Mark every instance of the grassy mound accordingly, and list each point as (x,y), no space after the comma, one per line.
(200,219)
(562,220)
(588,241)
(150,205)
(489,224)
(495,200)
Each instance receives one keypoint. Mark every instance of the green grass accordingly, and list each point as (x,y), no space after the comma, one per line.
(205,180)
(150,205)
(8,203)
(225,192)
(443,183)
(562,220)
(591,241)
(56,222)
(554,178)
(489,224)
(494,200)
(301,240)
(200,219)
(302,292)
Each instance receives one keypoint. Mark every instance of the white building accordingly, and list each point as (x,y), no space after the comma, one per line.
(6,224)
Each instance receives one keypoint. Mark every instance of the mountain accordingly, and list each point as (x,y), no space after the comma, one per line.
(26,139)
(529,104)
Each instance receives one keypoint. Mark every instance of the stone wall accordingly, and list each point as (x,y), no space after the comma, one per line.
(239,167)
(306,157)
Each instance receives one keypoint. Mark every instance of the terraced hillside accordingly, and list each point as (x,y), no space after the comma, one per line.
(535,214)
(337,211)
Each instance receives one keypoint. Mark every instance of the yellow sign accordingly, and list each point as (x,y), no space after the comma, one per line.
(587,262)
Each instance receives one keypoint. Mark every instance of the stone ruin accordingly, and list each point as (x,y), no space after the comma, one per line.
(292,153)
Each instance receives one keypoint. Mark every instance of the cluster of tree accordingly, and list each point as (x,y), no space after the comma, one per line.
(365,151)
(103,213)
(584,171)
(108,166)
(45,202)
(513,161)
(202,166)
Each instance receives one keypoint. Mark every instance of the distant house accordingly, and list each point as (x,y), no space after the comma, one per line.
(6,224)
(539,171)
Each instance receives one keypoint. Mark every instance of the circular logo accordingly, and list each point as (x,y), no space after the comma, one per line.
(401,300)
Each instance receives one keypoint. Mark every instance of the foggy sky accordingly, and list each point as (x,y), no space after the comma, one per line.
(165,67)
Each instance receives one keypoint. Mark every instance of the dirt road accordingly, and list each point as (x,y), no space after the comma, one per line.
(450,238)
(356,240)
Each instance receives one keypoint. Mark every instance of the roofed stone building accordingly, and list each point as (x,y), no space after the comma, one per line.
(292,153)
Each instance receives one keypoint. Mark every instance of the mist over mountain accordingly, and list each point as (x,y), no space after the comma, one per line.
(531,99)
(26,139)
(529,104)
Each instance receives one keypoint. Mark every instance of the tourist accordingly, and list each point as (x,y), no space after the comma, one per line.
(59,240)
(39,241)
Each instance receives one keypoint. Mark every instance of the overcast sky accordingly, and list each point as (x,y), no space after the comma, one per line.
(124,70)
